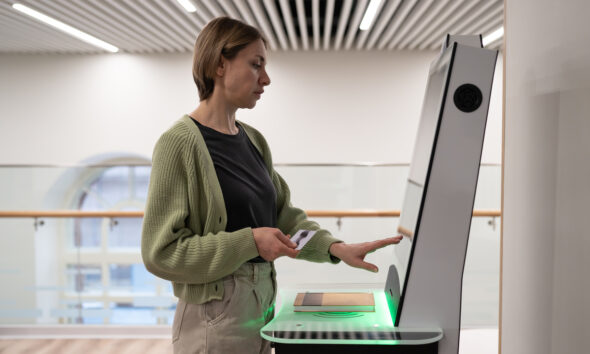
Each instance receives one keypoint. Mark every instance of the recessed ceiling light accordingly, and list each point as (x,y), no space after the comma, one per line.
(369,15)
(187,5)
(492,37)
(65,28)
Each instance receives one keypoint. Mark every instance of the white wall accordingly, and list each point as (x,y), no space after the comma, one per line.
(321,107)
(343,106)
(546,248)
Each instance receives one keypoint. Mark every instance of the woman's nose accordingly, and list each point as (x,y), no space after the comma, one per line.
(265,79)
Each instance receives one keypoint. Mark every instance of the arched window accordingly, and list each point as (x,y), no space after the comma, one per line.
(105,279)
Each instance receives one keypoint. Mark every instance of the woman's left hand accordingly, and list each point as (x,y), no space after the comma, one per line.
(354,254)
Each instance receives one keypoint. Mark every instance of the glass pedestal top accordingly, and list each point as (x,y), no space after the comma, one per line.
(374,328)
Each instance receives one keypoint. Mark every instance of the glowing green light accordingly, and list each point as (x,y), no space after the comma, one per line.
(374,328)
(259,321)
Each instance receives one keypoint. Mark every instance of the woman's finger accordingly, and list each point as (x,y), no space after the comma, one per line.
(286,240)
(368,266)
(375,245)
(388,241)
(288,251)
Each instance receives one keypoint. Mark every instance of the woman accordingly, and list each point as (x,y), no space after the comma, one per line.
(217,213)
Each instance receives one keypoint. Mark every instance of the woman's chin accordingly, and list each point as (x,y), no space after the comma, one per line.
(249,105)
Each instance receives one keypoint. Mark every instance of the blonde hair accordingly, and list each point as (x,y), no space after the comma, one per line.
(222,36)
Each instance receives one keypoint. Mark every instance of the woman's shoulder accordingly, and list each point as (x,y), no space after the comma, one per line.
(177,136)
(254,134)
(181,129)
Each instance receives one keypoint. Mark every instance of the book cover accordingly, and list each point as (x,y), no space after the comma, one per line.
(334,302)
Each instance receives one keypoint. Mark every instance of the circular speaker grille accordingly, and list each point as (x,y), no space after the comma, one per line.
(467,98)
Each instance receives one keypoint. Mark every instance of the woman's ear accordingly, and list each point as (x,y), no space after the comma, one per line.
(221,67)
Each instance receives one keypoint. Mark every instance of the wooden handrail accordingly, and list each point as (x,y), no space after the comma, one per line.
(352,213)
(69,214)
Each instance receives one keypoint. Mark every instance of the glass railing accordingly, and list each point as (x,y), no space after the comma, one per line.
(88,270)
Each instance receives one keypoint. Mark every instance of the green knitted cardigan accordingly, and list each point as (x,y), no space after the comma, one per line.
(183,236)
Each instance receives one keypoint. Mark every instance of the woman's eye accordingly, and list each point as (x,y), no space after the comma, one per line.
(256,65)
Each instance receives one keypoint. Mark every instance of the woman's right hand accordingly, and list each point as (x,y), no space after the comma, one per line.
(272,243)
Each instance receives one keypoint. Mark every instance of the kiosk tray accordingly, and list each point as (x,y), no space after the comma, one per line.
(292,331)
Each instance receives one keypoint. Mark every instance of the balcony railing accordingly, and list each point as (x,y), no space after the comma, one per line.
(78,262)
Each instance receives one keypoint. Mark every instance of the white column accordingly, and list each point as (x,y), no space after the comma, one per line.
(546,230)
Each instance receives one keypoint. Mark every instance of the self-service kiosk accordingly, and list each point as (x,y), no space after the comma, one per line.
(419,310)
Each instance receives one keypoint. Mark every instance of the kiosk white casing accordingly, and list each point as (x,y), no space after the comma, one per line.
(436,215)
(433,281)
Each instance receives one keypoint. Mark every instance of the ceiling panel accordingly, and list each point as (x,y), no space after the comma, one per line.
(163,26)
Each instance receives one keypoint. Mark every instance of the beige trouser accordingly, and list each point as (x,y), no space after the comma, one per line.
(230,325)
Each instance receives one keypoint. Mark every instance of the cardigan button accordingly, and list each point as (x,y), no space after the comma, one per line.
(220,219)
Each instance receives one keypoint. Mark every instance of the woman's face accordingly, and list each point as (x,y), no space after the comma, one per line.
(243,78)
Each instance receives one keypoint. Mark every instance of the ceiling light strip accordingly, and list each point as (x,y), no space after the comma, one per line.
(50,35)
(81,18)
(75,44)
(33,35)
(480,29)
(493,24)
(135,29)
(65,28)
(363,35)
(494,36)
(370,14)
(190,29)
(187,5)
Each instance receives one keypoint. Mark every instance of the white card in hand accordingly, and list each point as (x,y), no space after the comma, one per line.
(301,237)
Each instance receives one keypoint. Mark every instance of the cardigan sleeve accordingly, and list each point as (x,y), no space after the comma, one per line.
(170,248)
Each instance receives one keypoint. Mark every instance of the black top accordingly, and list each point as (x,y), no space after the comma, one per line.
(248,192)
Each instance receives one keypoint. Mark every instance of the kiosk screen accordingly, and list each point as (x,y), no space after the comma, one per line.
(417,183)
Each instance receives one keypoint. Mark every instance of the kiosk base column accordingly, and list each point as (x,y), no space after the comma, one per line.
(281,348)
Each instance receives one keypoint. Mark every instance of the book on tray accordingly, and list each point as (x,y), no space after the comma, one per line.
(334,302)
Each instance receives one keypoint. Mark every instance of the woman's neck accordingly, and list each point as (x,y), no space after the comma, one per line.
(214,114)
